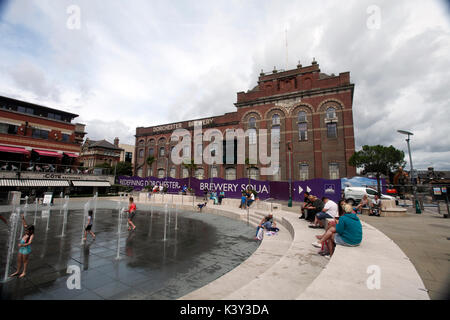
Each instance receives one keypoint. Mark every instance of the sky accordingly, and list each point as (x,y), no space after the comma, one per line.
(125,64)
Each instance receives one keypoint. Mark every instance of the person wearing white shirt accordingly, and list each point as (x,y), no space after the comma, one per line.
(329,211)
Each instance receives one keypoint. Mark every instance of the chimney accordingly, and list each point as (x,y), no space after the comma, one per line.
(116,142)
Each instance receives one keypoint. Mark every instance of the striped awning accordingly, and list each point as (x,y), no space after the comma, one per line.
(77,183)
(33,183)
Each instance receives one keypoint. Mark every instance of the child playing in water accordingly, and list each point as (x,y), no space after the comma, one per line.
(89,226)
(24,249)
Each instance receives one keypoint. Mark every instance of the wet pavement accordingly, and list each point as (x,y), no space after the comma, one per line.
(203,248)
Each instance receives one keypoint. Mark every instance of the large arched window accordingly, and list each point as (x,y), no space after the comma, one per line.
(173,172)
(151,152)
(161,173)
(162,151)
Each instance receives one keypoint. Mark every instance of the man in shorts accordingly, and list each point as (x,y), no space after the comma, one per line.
(329,211)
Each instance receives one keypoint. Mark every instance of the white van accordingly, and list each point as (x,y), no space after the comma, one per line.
(355,194)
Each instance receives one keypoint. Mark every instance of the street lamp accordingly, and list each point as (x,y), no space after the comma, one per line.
(412,169)
(288,144)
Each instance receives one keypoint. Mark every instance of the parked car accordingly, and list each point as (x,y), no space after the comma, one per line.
(354,194)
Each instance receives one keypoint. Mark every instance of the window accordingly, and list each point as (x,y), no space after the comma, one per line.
(186,152)
(151,152)
(54,116)
(254,173)
(213,149)
(173,172)
(331,130)
(275,137)
(302,116)
(275,120)
(252,136)
(371,191)
(304,172)
(276,173)
(141,153)
(141,142)
(199,149)
(139,173)
(8,128)
(334,170)
(230,174)
(128,156)
(161,173)
(149,172)
(40,134)
(214,172)
(303,131)
(65,137)
(199,173)
(331,113)
(252,122)
(25,110)
(162,152)
(185,173)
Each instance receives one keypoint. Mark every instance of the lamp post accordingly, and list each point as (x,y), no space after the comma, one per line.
(415,201)
(290,173)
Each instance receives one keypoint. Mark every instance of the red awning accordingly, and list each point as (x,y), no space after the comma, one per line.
(46,153)
(72,155)
(14,150)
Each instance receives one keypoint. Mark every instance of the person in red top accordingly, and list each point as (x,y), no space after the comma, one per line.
(131,213)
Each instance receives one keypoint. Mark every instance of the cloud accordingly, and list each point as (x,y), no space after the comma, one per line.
(156,62)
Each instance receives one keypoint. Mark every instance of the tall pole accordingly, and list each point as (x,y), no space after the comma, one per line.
(415,201)
(290,175)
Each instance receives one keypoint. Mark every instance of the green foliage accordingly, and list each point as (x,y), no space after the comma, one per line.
(378,159)
(124,169)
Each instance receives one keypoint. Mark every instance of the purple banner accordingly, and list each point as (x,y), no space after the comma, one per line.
(318,187)
(231,188)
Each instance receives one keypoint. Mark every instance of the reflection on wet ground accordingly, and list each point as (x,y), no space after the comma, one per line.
(203,248)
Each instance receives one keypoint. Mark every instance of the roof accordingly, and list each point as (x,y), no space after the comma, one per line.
(101,144)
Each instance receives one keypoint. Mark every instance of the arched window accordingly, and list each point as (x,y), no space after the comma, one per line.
(331,113)
(275,120)
(149,172)
(275,136)
(252,122)
(333,168)
(151,152)
(230,174)
(141,142)
(139,172)
(173,172)
(162,151)
(161,173)
(276,174)
(141,153)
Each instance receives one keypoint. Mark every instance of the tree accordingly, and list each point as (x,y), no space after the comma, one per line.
(191,166)
(377,159)
(124,168)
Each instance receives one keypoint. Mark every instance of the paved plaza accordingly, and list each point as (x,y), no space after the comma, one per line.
(203,248)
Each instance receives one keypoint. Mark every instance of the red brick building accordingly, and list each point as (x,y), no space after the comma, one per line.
(37,134)
(310,112)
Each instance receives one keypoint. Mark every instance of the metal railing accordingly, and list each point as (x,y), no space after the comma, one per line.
(15,166)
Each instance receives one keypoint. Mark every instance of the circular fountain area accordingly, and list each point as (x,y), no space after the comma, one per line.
(171,253)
